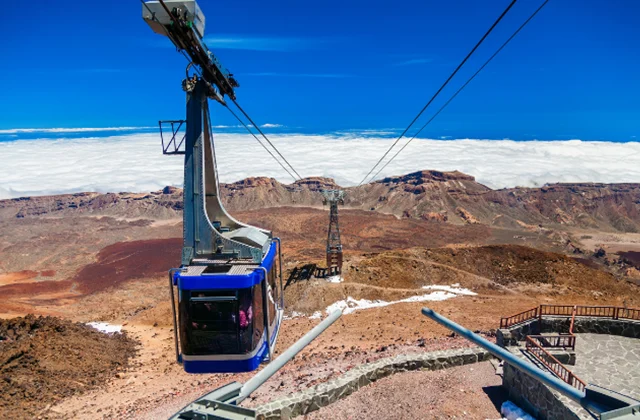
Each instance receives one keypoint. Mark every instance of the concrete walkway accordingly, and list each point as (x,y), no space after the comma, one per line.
(609,361)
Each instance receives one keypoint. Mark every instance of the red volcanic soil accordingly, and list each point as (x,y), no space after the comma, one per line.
(17,277)
(124,261)
(35,288)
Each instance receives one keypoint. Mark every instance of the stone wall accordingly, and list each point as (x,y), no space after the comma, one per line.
(621,327)
(511,336)
(535,397)
(329,392)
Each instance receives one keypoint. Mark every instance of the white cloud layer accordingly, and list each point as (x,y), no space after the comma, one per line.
(68,130)
(135,162)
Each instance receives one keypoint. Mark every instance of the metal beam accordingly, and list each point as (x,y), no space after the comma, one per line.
(273,367)
(609,404)
(508,357)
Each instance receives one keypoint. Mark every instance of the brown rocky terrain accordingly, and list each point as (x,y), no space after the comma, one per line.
(104,257)
(44,360)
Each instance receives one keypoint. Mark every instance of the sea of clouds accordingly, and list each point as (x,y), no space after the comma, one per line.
(135,163)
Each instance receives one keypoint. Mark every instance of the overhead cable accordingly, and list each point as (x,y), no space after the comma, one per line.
(441,88)
(261,143)
(265,137)
(461,88)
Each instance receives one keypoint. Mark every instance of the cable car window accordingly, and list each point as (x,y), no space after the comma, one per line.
(272,305)
(272,283)
(245,320)
(212,323)
(258,315)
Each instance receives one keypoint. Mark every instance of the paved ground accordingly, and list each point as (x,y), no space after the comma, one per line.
(606,360)
(609,361)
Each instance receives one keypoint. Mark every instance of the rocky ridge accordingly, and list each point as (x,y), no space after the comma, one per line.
(446,197)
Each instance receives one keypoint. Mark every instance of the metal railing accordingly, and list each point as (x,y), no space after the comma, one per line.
(628,313)
(554,364)
(573,319)
(613,312)
(519,318)
(566,341)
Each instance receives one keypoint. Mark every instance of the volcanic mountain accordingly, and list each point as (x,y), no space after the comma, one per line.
(448,197)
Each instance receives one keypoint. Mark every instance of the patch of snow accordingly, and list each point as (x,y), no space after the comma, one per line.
(510,411)
(105,327)
(296,314)
(351,305)
(293,315)
(316,315)
(454,288)
(335,279)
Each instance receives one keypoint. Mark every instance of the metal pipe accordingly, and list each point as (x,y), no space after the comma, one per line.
(273,367)
(173,311)
(499,352)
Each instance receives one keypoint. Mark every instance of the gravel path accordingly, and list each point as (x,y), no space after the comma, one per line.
(471,391)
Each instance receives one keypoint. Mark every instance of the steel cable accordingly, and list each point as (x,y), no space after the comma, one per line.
(441,88)
(261,143)
(461,88)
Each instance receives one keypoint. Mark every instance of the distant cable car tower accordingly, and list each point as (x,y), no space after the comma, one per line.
(334,246)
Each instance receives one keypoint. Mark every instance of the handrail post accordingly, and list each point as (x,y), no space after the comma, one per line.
(539,309)
(173,312)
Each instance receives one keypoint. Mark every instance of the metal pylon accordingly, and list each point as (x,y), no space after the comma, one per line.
(334,246)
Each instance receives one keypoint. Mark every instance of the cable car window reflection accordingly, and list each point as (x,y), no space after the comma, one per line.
(213,323)
(219,322)
(258,315)
(245,320)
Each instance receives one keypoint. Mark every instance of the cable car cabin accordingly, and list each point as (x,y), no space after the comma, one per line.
(229,313)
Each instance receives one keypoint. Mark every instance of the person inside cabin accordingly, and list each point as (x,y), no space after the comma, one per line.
(204,313)
(246,321)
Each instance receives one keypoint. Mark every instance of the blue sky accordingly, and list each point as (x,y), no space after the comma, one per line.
(334,65)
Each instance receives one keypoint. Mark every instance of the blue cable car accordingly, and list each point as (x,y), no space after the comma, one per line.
(229,304)
(229,287)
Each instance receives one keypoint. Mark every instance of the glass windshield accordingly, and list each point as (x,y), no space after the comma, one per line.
(216,322)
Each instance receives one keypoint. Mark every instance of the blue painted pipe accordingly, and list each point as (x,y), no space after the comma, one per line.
(499,352)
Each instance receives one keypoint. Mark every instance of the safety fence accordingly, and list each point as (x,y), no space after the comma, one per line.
(519,318)
(553,364)
(612,312)
(565,341)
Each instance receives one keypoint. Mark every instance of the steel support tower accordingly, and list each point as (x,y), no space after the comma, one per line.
(334,246)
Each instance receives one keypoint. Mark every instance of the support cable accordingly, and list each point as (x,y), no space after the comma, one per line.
(441,88)
(261,143)
(265,137)
(461,88)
